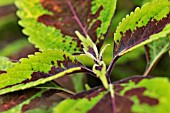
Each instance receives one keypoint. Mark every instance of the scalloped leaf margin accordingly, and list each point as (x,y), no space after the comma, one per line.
(142,26)
(38,69)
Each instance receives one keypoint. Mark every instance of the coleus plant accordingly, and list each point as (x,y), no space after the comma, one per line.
(65,29)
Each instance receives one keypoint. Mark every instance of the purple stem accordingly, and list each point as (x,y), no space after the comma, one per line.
(89,71)
(112,64)
(76,17)
(114,104)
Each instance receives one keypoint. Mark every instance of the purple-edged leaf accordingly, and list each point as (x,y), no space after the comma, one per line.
(130,95)
(142,26)
(38,69)
(11,100)
(31,100)
(56,21)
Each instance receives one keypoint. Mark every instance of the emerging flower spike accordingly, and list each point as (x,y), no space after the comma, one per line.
(90,49)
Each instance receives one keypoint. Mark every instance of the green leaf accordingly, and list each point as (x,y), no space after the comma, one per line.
(155,50)
(148,96)
(5,63)
(56,22)
(142,26)
(38,69)
(153,90)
